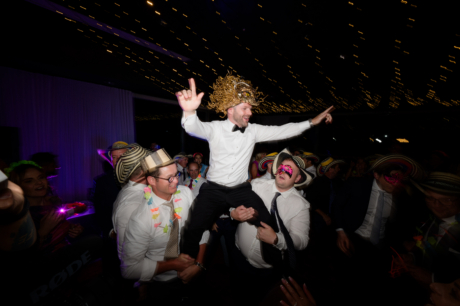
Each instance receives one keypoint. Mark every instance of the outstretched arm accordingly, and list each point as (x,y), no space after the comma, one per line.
(268,133)
(188,99)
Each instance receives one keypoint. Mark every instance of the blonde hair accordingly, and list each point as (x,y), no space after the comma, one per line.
(259,156)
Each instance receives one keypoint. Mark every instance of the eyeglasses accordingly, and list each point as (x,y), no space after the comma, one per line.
(443,202)
(171,179)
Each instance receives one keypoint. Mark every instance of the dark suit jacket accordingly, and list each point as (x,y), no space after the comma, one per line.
(350,207)
(319,192)
(105,193)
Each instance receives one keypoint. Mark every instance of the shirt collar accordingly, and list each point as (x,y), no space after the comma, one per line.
(228,125)
(284,194)
(157,201)
(450,220)
(376,187)
(136,185)
(179,167)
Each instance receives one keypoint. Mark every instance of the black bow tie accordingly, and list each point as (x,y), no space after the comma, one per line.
(237,128)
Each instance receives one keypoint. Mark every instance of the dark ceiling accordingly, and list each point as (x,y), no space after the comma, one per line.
(384,56)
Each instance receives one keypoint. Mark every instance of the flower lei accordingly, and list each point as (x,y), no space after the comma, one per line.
(156,210)
(428,245)
(19,163)
(196,181)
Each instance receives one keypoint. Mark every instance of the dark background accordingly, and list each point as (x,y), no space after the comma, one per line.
(389,67)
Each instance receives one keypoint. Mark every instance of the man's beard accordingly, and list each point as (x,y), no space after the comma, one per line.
(240,121)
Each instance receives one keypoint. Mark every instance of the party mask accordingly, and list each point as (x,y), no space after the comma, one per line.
(286,169)
(395,179)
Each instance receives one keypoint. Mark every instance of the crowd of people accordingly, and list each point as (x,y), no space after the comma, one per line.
(294,227)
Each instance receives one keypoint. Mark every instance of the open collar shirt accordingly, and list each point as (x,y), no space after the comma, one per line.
(365,230)
(293,210)
(196,185)
(128,199)
(230,152)
(148,233)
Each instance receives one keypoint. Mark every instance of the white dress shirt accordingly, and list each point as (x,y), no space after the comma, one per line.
(196,185)
(266,176)
(293,210)
(312,170)
(128,199)
(146,237)
(365,229)
(230,152)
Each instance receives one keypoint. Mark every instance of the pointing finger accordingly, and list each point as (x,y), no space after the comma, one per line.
(191,82)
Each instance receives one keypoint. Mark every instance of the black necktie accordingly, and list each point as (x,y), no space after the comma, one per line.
(183,172)
(237,128)
(287,237)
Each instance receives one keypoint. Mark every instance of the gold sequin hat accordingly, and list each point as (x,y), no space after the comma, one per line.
(230,91)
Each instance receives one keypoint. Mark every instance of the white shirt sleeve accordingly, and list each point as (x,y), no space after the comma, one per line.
(122,218)
(299,229)
(271,132)
(134,263)
(204,238)
(193,126)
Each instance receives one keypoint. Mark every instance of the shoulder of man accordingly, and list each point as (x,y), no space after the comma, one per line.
(183,192)
(298,199)
(261,183)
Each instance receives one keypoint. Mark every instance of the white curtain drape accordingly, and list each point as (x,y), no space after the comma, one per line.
(69,118)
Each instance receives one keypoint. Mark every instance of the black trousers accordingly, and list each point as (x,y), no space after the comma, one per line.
(214,200)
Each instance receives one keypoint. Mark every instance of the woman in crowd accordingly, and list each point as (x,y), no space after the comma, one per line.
(198,157)
(50,223)
(255,165)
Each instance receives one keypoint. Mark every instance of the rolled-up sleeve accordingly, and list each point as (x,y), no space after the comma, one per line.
(204,238)
(134,264)
(271,132)
(193,126)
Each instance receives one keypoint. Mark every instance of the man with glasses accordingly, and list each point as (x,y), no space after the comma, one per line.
(435,251)
(151,249)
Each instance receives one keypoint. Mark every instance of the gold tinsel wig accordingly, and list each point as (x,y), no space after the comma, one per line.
(230,91)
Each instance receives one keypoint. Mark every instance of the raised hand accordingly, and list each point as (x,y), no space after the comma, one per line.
(326,115)
(188,99)
(296,296)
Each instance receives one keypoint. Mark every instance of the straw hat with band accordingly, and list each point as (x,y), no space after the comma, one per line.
(128,162)
(182,155)
(118,145)
(326,164)
(283,155)
(445,183)
(409,167)
(266,160)
(155,160)
(309,155)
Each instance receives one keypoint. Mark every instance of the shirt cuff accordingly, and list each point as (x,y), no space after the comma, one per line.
(339,229)
(189,120)
(305,125)
(148,270)
(230,212)
(281,245)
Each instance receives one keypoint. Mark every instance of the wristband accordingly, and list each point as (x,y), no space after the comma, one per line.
(200,265)
(311,123)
